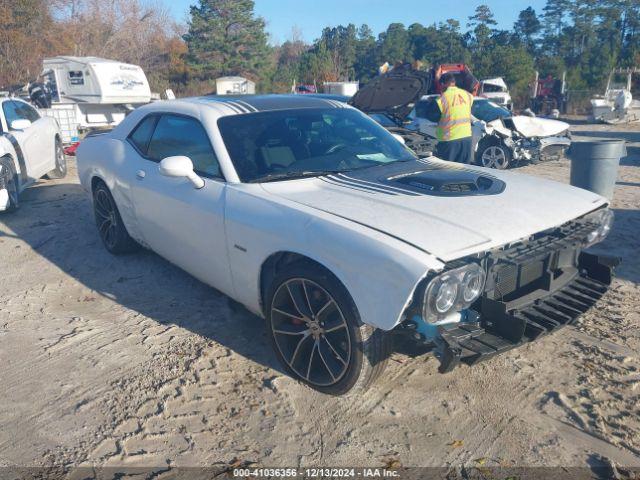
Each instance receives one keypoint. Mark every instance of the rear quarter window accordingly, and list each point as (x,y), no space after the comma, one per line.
(141,135)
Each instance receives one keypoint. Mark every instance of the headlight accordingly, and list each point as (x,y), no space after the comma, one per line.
(604,219)
(453,291)
(472,285)
(446,296)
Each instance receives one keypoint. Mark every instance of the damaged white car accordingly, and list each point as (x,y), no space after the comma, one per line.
(316,218)
(30,147)
(501,139)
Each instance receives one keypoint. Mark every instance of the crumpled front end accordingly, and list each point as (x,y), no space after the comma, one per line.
(538,150)
(532,288)
(537,139)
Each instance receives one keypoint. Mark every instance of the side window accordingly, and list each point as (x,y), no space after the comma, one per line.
(10,113)
(26,111)
(76,77)
(178,135)
(142,134)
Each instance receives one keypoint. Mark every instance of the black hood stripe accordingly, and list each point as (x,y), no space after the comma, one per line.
(389,188)
(354,186)
(379,188)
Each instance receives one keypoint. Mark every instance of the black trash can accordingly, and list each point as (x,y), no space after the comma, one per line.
(594,164)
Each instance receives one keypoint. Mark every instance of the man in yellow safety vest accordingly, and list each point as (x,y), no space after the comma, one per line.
(454,127)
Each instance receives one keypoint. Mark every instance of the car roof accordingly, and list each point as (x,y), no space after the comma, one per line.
(264,103)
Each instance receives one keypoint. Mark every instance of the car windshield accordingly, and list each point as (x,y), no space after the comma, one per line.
(288,144)
(383,120)
(489,88)
(488,111)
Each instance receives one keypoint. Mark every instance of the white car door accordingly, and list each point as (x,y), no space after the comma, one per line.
(36,142)
(181,223)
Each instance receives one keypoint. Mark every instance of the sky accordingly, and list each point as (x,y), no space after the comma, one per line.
(311,16)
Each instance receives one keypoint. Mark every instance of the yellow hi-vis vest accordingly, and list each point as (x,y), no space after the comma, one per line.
(455,107)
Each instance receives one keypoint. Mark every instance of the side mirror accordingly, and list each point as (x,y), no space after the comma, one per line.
(20,124)
(399,138)
(180,167)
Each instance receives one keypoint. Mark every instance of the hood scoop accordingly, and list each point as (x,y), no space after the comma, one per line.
(447,183)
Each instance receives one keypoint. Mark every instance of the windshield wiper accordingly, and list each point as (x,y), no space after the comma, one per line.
(274,177)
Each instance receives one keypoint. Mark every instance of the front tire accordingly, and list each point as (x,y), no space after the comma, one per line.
(111,229)
(9,182)
(61,163)
(494,154)
(317,333)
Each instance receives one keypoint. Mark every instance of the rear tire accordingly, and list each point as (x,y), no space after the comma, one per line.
(61,163)
(9,181)
(111,229)
(317,334)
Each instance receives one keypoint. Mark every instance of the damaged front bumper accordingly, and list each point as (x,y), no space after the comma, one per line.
(505,325)
(532,288)
(537,150)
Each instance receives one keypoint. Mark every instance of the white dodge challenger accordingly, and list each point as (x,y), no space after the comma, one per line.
(319,220)
(30,147)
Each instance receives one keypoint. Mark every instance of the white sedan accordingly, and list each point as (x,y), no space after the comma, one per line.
(319,220)
(502,139)
(30,147)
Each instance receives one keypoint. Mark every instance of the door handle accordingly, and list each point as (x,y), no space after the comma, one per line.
(141,174)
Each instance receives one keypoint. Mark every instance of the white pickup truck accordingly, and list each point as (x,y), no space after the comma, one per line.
(30,148)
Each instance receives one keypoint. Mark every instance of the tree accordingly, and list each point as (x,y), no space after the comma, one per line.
(482,16)
(287,59)
(481,21)
(316,65)
(554,20)
(341,43)
(225,38)
(365,66)
(23,39)
(527,28)
(394,45)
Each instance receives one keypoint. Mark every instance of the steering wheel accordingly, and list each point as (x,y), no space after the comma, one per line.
(337,147)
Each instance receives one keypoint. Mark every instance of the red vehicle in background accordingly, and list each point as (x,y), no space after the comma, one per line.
(548,94)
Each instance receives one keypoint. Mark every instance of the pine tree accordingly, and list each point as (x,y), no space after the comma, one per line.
(554,20)
(527,27)
(394,45)
(226,38)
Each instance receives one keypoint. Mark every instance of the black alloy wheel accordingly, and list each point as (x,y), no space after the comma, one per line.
(9,181)
(310,332)
(111,229)
(317,334)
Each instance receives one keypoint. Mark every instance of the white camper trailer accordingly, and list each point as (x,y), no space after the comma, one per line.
(235,86)
(91,92)
(348,89)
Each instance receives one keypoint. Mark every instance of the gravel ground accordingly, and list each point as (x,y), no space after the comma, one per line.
(128,361)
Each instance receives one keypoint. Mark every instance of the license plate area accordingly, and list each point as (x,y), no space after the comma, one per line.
(518,283)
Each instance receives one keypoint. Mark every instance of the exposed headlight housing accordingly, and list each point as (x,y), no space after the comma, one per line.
(452,291)
(604,219)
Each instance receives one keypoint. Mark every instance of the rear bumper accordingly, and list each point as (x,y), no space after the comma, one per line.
(501,328)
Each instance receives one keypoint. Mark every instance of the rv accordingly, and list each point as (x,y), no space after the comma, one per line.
(348,89)
(90,93)
(235,86)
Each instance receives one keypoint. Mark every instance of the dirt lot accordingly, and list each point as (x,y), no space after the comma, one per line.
(128,361)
